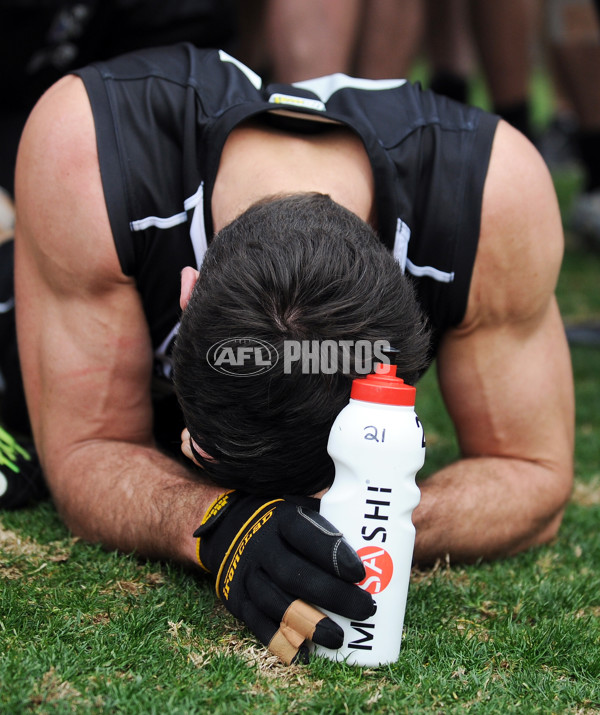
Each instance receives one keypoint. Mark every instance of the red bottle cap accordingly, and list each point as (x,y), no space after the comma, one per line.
(384,387)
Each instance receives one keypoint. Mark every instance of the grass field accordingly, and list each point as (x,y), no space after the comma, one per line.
(86,631)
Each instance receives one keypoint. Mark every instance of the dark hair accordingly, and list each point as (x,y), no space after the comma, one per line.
(299,267)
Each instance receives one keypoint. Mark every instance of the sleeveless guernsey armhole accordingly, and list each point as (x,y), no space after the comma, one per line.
(109,157)
(465,246)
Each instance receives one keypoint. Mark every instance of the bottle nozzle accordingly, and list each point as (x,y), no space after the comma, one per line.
(383,386)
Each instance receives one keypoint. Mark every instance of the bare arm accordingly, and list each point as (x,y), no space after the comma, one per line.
(505,375)
(85,348)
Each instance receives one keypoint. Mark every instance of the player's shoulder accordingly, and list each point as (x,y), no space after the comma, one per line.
(60,128)
(60,201)
(521,239)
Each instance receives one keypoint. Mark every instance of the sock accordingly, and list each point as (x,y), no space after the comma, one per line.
(589,144)
(517,115)
(450,85)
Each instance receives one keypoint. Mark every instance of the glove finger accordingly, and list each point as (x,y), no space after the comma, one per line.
(319,540)
(286,643)
(308,621)
(293,614)
(297,576)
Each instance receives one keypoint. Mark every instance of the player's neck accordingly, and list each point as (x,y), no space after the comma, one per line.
(258,162)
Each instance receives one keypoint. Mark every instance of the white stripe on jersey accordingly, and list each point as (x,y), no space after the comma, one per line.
(401,240)
(8,305)
(200,242)
(429,272)
(400,254)
(250,74)
(325,87)
(168,222)
(161,356)
(143,223)
(195,199)
(198,228)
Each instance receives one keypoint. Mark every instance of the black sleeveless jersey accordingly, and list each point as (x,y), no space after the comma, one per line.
(162,117)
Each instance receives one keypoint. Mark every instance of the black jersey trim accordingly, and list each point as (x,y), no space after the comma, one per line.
(465,250)
(111,171)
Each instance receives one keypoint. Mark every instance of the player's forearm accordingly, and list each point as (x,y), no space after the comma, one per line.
(131,498)
(488,507)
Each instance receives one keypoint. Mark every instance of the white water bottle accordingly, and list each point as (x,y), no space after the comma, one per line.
(378,445)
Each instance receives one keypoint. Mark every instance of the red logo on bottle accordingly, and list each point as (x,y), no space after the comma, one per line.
(379,568)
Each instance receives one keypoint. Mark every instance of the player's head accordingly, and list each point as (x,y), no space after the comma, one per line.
(293,271)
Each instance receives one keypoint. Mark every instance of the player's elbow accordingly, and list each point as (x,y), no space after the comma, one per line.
(542,531)
(557,497)
(550,530)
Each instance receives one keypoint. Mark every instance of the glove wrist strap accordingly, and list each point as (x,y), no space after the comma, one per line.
(214,511)
(250,528)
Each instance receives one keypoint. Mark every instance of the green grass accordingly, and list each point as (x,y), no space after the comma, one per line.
(85,631)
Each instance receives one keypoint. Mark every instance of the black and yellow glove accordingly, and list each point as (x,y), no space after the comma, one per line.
(272,558)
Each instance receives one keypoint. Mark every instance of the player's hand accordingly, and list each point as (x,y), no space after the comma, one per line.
(272,558)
